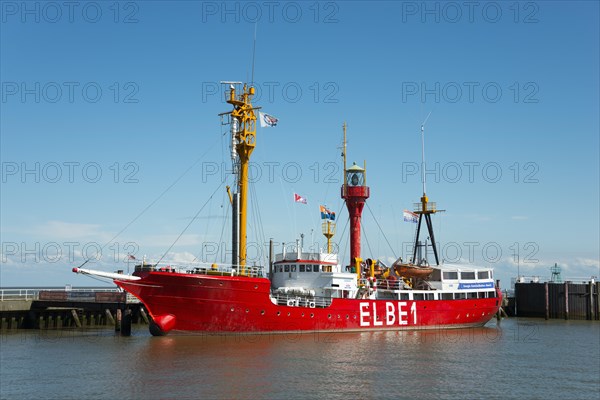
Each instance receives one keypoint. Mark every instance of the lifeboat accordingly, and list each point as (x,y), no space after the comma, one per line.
(412,271)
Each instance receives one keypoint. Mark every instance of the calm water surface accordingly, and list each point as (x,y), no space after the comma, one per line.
(523,358)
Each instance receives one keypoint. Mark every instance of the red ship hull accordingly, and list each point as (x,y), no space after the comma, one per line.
(232,304)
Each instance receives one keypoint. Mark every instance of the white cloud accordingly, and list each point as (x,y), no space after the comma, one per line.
(519,217)
(61,230)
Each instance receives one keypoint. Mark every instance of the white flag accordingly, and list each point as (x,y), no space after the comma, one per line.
(267,120)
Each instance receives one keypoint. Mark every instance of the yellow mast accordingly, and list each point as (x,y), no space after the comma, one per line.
(328,230)
(243,113)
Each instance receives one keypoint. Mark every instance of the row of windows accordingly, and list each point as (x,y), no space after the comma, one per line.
(470,275)
(303,268)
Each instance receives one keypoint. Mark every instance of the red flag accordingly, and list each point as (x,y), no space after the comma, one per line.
(299,199)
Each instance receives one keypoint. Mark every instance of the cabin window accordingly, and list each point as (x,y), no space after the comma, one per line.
(450,275)
(326,268)
(471,295)
(280,268)
(287,268)
(302,268)
(293,268)
(481,295)
(447,296)
(315,268)
(459,296)
(404,296)
(418,296)
(491,295)
(467,275)
(483,275)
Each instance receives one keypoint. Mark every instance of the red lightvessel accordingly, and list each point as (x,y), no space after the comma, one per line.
(308,291)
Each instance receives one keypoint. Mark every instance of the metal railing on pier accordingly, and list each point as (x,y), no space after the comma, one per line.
(33,294)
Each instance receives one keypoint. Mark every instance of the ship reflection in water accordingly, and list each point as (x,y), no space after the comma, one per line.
(519,359)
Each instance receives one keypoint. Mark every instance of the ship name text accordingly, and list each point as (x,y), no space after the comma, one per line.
(378,313)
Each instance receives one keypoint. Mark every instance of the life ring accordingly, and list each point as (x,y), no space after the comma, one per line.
(291,302)
(311,304)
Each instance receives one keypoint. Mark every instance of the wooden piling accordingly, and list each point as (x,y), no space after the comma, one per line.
(597,300)
(590,314)
(110,317)
(118,322)
(144,316)
(547,300)
(76,318)
(126,323)
(566,300)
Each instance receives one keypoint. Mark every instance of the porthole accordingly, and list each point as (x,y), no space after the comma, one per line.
(232,309)
(255,286)
(303,314)
(312,315)
(247,310)
(289,314)
(262,312)
(329,316)
(278,313)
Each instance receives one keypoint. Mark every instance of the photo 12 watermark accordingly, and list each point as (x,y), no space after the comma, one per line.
(291,12)
(470,92)
(471,12)
(69,12)
(273,91)
(276,171)
(67,252)
(471,172)
(69,172)
(69,92)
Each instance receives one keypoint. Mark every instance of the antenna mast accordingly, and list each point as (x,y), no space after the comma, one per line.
(253,53)
(423,152)
(425,208)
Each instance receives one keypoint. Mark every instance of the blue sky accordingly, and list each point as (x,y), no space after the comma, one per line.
(105,105)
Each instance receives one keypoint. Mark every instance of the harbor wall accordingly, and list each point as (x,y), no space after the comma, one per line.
(552,300)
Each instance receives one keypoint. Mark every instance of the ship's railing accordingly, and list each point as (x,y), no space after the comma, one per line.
(431,206)
(34,293)
(390,285)
(302,301)
(203,268)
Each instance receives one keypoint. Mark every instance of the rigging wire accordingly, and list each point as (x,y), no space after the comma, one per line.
(260,231)
(190,223)
(225,223)
(381,230)
(157,198)
(367,240)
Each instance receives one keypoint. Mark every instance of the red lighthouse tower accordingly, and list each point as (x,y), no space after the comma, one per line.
(355,191)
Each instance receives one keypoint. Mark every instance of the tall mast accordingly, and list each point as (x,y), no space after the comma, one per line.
(425,208)
(344,152)
(243,120)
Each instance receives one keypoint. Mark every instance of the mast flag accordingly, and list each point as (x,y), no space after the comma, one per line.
(267,121)
(410,216)
(300,199)
(327,214)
